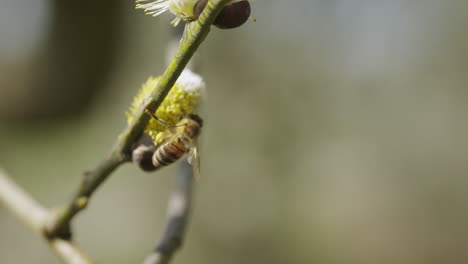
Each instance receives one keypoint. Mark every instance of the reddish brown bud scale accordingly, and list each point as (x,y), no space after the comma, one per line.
(142,157)
(233,15)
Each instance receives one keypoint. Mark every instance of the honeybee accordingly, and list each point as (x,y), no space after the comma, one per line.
(179,140)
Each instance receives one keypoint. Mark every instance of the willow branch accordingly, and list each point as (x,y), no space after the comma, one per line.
(195,33)
(177,218)
(35,216)
(179,204)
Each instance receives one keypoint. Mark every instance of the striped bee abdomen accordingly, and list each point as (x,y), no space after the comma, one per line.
(169,152)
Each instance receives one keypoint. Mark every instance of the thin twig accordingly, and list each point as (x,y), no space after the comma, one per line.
(35,216)
(177,218)
(179,204)
(194,35)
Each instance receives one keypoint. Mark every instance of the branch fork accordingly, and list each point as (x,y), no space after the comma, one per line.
(55,226)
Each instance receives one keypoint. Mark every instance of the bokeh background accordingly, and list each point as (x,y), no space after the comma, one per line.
(336,131)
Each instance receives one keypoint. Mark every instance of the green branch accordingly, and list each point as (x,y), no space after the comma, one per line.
(194,34)
(35,216)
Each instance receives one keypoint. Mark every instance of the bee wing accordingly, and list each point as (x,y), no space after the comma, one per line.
(194,159)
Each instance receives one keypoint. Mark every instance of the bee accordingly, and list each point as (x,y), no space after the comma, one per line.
(179,140)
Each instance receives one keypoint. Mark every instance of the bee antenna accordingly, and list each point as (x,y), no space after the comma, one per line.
(155,118)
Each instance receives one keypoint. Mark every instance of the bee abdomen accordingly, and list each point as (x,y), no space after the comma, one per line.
(168,153)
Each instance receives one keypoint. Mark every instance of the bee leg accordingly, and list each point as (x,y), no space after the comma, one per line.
(157,119)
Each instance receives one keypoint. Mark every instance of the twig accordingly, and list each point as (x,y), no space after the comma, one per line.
(177,218)
(194,35)
(180,202)
(35,216)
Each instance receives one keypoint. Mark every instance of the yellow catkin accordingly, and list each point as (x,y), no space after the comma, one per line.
(180,101)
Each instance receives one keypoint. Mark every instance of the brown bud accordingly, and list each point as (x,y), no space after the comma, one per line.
(142,157)
(233,15)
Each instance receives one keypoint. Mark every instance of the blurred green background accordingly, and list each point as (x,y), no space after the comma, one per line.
(335,130)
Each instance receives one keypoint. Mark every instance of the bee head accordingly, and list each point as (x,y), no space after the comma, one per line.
(196,118)
(192,125)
